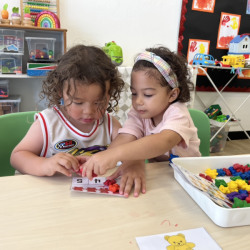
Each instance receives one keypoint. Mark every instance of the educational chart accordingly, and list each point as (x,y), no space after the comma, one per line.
(204,5)
(228,29)
(99,185)
(193,239)
(196,46)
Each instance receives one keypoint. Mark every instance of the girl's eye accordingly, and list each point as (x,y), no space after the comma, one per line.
(78,103)
(148,95)
(133,93)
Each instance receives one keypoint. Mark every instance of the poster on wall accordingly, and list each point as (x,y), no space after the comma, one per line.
(228,29)
(245,74)
(248,7)
(196,46)
(204,5)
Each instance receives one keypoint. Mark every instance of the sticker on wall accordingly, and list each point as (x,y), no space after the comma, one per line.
(228,29)
(204,5)
(200,48)
(248,7)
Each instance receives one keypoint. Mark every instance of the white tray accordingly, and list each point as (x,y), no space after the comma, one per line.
(222,217)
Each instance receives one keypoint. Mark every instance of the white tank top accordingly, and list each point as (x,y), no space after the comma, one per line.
(59,135)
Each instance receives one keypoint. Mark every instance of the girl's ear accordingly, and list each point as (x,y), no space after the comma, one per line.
(174,94)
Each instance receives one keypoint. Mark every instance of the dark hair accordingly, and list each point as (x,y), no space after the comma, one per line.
(89,65)
(178,64)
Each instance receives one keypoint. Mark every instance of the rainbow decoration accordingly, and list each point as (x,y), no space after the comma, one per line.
(47,19)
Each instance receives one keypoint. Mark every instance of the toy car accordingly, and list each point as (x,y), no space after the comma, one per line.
(203,59)
(231,61)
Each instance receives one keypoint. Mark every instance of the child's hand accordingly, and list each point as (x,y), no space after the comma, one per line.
(61,162)
(132,174)
(99,163)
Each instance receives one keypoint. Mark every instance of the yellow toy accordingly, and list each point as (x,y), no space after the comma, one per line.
(240,184)
(233,187)
(178,242)
(224,190)
(233,61)
(212,173)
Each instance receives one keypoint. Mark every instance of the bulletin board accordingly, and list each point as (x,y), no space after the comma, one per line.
(204,25)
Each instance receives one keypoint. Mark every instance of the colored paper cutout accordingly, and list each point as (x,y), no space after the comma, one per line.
(203,5)
(228,29)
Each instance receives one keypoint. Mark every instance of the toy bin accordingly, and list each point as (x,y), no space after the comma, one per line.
(10,104)
(223,217)
(10,63)
(218,143)
(41,49)
(4,88)
(11,41)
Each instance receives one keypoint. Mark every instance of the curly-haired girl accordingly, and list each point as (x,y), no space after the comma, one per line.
(89,84)
(159,122)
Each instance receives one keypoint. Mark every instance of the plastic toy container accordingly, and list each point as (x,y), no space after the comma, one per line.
(4,88)
(222,217)
(12,41)
(10,105)
(41,49)
(218,143)
(10,63)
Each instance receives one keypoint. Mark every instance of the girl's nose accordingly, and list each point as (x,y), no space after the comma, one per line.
(89,109)
(139,100)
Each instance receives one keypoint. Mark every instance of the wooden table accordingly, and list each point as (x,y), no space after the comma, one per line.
(42,213)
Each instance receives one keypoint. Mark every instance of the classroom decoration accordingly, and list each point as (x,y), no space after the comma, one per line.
(222,35)
(248,7)
(47,19)
(228,29)
(183,19)
(196,46)
(16,17)
(27,17)
(204,5)
(5,15)
(113,51)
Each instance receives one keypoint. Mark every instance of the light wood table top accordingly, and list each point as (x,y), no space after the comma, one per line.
(42,213)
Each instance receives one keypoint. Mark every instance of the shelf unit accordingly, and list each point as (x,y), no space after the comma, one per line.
(219,92)
(29,87)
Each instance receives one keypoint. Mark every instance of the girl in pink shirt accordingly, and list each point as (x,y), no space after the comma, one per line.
(159,122)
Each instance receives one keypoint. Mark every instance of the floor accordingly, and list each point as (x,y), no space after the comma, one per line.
(235,147)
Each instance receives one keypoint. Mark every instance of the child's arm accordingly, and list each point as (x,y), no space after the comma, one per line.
(147,147)
(26,156)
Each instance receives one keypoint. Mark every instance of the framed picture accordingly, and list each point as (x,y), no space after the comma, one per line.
(228,29)
(245,74)
(196,46)
(204,5)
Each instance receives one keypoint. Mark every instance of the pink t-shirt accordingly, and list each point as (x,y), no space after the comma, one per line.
(175,118)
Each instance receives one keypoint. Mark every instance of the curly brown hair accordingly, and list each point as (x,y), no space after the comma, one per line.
(178,64)
(88,65)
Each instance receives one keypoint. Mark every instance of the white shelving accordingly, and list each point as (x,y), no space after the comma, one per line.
(232,115)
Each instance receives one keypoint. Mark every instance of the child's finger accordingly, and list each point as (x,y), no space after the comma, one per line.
(138,184)
(83,167)
(89,172)
(74,163)
(143,185)
(128,187)
(63,170)
(82,158)
(122,184)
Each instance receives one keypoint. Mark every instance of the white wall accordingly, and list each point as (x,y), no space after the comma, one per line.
(132,24)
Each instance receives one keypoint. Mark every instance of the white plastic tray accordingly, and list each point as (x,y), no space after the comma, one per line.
(222,217)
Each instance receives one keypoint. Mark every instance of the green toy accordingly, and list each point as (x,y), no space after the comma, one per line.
(213,111)
(219,182)
(234,178)
(239,203)
(114,51)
